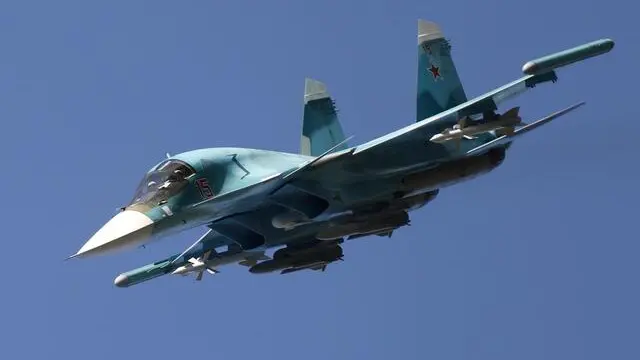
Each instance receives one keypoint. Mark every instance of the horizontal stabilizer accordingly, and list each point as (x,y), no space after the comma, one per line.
(523,130)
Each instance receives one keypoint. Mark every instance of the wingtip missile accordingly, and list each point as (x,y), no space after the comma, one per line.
(121,281)
(567,57)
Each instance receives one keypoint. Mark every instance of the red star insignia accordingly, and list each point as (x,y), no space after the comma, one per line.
(435,71)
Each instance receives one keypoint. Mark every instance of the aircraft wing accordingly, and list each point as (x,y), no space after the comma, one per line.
(196,260)
(523,130)
(537,71)
(483,103)
(486,102)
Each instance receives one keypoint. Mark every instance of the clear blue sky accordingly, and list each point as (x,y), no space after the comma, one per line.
(536,260)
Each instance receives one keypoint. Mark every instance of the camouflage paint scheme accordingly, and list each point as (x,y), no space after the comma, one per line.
(252,200)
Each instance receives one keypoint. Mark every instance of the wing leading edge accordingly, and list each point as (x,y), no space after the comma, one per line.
(478,105)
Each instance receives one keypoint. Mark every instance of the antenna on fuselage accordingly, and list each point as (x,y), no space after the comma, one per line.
(168,155)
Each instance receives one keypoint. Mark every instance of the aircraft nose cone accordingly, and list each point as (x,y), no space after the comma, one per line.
(128,228)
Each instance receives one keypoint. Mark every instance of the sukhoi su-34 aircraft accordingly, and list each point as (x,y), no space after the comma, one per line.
(250,201)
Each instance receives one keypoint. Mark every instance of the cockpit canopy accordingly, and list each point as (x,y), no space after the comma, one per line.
(165,180)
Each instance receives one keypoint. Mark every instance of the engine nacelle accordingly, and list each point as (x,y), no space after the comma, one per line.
(414,202)
(289,220)
(375,223)
(453,172)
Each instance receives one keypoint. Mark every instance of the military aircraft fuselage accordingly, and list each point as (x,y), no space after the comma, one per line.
(250,200)
(360,188)
(176,194)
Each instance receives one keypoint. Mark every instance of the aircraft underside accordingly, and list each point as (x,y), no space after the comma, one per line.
(381,209)
(313,230)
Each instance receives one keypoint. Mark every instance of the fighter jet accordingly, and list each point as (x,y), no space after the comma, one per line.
(307,205)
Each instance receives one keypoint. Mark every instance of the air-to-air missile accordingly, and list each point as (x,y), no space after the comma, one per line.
(467,129)
(196,263)
(566,57)
(144,273)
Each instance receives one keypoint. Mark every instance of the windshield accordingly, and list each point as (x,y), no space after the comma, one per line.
(164,181)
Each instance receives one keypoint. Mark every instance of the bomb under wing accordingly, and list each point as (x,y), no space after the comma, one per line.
(288,260)
(569,56)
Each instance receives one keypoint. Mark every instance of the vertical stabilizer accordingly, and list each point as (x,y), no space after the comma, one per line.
(321,128)
(439,87)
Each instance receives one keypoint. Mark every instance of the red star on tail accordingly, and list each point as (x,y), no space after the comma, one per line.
(435,71)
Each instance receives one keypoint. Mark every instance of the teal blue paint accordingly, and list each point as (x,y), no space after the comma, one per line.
(249,191)
(439,87)
(321,126)
(321,129)
(569,56)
